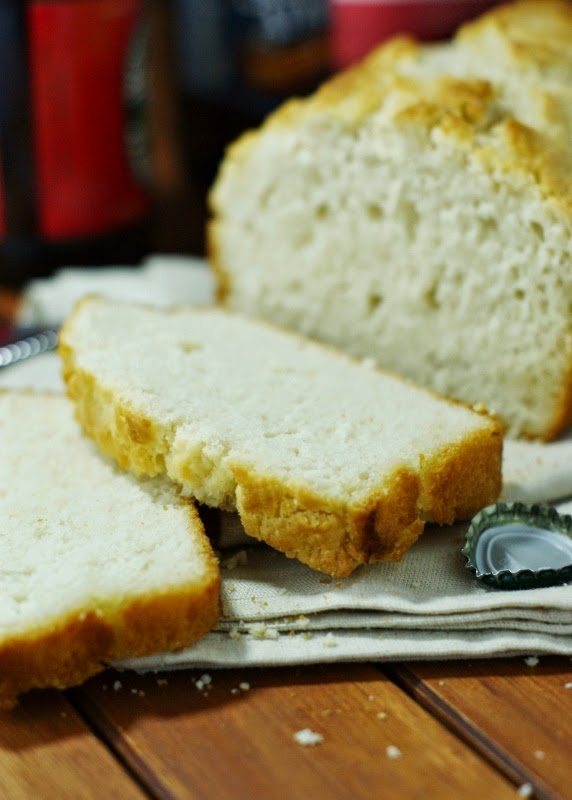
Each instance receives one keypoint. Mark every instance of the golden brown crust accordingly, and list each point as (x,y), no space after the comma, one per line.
(457,481)
(81,645)
(330,536)
(537,31)
(135,442)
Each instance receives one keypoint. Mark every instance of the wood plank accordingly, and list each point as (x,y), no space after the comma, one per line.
(226,742)
(518,716)
(47,752)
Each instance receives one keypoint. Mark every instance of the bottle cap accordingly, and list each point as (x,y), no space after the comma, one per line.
(518,546)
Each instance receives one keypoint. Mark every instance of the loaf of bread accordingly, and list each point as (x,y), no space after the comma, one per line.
(94,565)
(328,459)
(418,210)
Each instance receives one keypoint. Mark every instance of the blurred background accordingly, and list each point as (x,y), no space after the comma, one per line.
(114,114)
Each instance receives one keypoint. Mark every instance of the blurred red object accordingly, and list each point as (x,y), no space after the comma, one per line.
(357,26)
(78,54)
(76,149)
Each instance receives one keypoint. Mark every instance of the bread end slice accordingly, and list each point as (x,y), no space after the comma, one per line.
(96,565)
(74,649)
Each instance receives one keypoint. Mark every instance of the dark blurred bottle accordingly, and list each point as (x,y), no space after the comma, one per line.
(236,61)
(74,136)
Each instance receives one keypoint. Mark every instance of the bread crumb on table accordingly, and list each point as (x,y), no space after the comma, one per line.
(117,685)
(568,685)
(531,661)
(392,751)
(308,738)
(244,686)
(203,681)
(539,754)
(525,790)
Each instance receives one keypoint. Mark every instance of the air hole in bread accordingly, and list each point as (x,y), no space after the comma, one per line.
(538,230)
(322,211)
(488,226)
(302,239)
(374,211)
(266,196)
(190,347)
(430,298)
(410,219)
(374,300)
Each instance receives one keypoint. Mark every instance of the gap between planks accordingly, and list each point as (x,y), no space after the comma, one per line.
(112,739)
(455,720)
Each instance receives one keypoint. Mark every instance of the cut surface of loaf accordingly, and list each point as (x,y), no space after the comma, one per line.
(418,210)
(95,565)
(325,458)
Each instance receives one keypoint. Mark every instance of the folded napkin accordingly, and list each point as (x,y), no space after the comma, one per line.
(277,611)
(161,281)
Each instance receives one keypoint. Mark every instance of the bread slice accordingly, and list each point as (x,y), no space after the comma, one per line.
(327,459)
(94,565)
(418,210)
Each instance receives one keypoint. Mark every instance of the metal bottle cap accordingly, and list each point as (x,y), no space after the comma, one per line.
(518,546)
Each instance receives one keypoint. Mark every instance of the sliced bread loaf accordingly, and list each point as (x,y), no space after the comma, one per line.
(95,565)
(418,210)
(327,459)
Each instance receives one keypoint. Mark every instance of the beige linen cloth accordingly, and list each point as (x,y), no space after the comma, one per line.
(277,611)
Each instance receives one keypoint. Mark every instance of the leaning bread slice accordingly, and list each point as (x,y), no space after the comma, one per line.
(95,565)
(325,458)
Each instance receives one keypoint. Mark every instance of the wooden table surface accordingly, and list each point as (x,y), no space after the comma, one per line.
(479,729)
(500,728)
